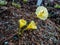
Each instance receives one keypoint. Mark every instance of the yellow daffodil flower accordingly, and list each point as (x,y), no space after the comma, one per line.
(22,23)
(42,13)
(32,25)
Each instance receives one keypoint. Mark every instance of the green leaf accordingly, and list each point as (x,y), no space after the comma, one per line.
(57,6)
(2,3)
(25,1)
(16,5)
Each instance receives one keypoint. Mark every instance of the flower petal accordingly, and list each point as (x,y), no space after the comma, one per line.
(32,25)
(42,13)
(22,23)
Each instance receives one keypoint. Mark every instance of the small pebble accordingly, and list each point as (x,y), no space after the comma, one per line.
(6,43)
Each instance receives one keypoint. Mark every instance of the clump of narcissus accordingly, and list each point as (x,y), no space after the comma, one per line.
(22,23)
(42,13)
(32,25)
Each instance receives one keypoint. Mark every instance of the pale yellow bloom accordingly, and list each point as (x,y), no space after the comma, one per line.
(42,13)
(22,23)
(32,25)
